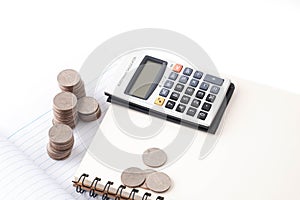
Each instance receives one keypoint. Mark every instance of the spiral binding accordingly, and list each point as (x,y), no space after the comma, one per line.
(92,189)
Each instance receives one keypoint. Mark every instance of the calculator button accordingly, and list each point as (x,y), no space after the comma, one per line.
(185,99)
(183,79)
(195,103)
(202,115)
(211,98)
(213,80)
(198,74)
(179,87)
(187,71)
(164,92)
(215,89)
(204,86)
(180,108)
(177,68)
(194,82)
(169,84)
(175,96)
(189,91)
(200,94)
(206,106)
(191,111)
(159,101)
(173,76)
(170,104)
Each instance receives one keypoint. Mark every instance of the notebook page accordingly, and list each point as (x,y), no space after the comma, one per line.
(21,179)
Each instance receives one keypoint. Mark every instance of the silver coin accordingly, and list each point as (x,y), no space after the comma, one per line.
(87,105)
(58,155)
(62,147)
(65,101)
(147,172)
(158,182)
(154,157)
(133,177)
(68,78)
(60,134)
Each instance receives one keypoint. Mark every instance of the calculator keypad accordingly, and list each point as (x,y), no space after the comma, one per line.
(189,91)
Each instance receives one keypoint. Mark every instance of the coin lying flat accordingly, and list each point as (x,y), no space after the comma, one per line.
(65,109)
(69,80)
(158,182)
(58,155)
(88,109)
(147,172)
(60,134)
(64,101)
(133,177)
(154,157)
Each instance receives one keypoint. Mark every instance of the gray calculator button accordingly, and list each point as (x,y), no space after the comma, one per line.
(173,76)
(183,79)
(191,111)
(187,71)
(200,94)
(194,82)
(204,86)
(189,91)
(213,80)
(202,115)
(185,99)
(180,108)
(170,104)
(215,89)
(196,103)
(206,106)
(175,96)
(179,87)
(164,92)
(198,74)
(169,84)
(211,98)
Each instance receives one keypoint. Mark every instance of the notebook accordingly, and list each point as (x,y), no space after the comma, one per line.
(254,154)
(27,172)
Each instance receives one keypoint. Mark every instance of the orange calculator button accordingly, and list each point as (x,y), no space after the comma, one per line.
(177,68)
(159,101)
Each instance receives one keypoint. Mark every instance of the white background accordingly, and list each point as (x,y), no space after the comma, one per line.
(257,40)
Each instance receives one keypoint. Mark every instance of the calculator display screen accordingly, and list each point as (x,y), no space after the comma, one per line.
(146,77)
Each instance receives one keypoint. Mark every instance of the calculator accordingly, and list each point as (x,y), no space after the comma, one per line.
(163,84)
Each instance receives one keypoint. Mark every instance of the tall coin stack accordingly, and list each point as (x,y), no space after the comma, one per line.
(61,141)
(65,109)
(69,80)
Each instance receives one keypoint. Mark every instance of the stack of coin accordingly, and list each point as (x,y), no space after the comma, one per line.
(88,109)
(61,141)
(65,109)
(69,80)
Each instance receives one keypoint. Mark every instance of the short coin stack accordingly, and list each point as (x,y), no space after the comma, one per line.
(69,80)
(88,109)
(148,179)
(65,109)
(61,141)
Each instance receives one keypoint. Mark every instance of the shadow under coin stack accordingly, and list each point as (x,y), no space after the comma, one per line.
(88,109)
(61,141)
(69,80)
(65,109)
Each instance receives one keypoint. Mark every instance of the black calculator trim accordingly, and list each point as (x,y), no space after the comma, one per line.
(211,129)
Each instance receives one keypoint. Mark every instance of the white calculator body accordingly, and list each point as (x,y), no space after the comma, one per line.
(161,83)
